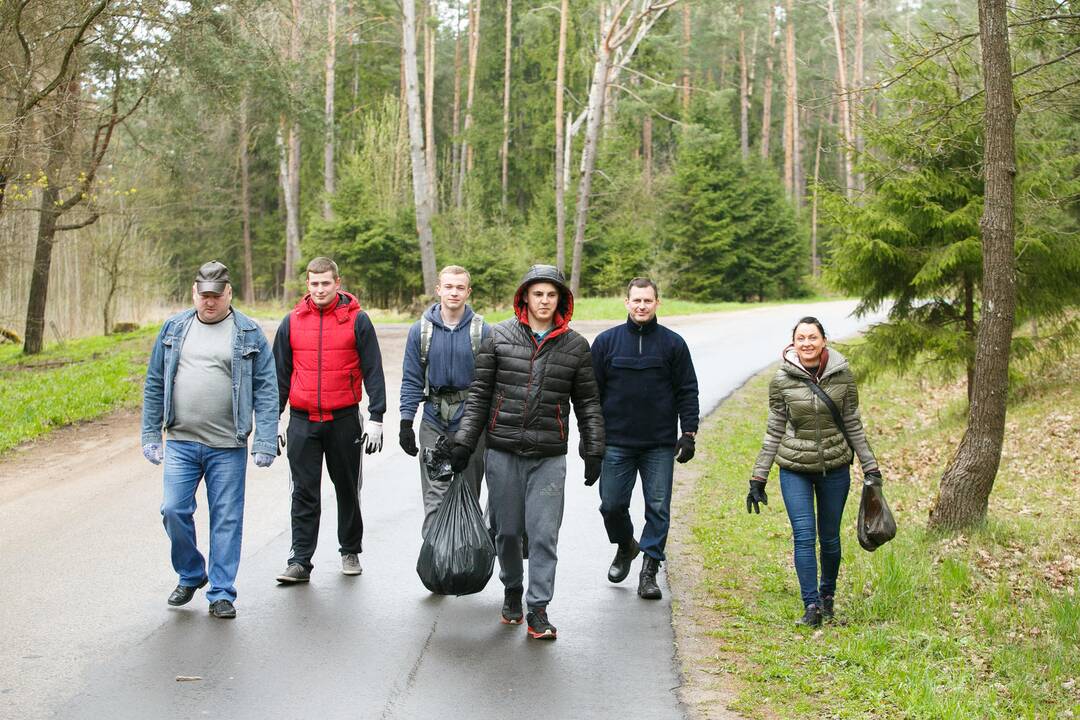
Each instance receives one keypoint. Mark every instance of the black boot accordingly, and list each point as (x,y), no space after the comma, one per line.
(812,616)
(827,607)
(647,587)
(620,566)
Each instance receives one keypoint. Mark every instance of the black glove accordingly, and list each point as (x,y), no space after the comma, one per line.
(407,439)
(872,477)
(684,449)
(459,457)
(756,495)
(593,465)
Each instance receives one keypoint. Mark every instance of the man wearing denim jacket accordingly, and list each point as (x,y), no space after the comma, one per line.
(210,370)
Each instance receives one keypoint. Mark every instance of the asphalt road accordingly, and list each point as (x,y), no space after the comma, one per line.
(87,634)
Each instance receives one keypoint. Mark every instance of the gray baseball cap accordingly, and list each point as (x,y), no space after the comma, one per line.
(212,278)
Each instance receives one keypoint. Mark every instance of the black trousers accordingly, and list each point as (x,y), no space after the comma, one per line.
(339,441)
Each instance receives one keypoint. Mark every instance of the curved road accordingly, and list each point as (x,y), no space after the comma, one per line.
(87,633)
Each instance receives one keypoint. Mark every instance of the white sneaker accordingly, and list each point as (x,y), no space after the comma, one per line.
(350,564)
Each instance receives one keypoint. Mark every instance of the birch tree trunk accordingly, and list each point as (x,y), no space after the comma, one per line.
(328,110)
(621,34)
(292,155)
(245,202)
(429,107)
(647,151)
(859,83)
(789,102)
(969,478)
(505,152)
(416,150)
(766,96)
(560,163)
(844,103)
(466,154)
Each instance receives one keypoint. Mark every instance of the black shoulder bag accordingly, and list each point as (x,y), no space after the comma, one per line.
(876,525)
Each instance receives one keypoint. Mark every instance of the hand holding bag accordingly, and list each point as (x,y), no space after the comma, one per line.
(876,523)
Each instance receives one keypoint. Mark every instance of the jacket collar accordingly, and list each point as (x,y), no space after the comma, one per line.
(834,362)
(645,329)
(434,314)
(346,304)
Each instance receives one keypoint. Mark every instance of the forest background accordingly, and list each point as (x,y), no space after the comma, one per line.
(731,151)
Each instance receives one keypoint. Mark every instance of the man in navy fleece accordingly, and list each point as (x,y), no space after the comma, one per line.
(648,389)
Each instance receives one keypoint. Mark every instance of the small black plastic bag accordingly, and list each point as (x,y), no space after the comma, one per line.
(437,460)
(876,523)
(457,556)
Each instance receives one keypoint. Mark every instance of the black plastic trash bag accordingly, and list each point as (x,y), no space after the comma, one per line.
(458,556)
(876,523)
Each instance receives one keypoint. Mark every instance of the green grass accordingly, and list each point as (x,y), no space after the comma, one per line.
(79,380)
(981,625)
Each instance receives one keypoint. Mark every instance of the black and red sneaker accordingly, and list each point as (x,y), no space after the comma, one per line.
(539,627)
(511,609)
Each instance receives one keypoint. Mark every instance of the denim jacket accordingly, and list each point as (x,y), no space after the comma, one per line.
(254,382)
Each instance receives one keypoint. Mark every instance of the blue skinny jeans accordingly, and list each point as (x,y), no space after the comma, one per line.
(831,492)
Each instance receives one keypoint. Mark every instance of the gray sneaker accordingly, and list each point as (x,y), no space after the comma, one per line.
(350,564)
(295,573)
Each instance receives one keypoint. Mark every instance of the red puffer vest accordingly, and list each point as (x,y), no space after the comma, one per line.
(326,372)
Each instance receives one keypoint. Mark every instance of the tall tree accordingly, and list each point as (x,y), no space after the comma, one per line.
(767,91)
(560,169)
(243,142)
(455,124)
(465,156)
(744,87)
(623,27)
(291,136)
(416,139)
(505,151)
(429,21)
(686,37)
(844,99)
(328,109)
(966,484)
(37,55)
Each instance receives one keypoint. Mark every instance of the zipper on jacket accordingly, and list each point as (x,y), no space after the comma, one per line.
(528,384)
(558,417)
(495,415)
(318,371)
(817,425)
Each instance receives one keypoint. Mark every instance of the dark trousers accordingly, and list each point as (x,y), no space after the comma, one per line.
(337,440)
(830,490)
(622,465)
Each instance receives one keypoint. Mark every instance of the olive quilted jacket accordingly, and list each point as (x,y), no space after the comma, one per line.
(801,434)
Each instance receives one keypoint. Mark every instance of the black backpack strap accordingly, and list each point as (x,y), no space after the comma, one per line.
(837,418)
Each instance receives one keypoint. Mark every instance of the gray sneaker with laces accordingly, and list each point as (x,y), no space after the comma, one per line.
(350,564)
(295,573)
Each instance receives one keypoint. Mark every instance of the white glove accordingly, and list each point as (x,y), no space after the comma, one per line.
(372,437)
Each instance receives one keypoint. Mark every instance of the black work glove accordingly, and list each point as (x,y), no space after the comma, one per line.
(684,449)
(459,457)
(872,477)
(593,465)
(756,497)
(407,439)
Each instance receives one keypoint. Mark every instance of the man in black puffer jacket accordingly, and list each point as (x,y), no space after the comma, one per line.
(527,373)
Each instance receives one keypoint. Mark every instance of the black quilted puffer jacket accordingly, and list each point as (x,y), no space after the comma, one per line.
(522,390)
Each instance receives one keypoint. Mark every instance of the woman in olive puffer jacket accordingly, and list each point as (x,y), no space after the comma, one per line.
(814,457)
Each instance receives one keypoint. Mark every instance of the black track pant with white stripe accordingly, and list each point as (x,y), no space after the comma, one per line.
(339,441)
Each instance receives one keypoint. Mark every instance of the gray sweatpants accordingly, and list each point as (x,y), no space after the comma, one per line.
(433,492)
(525,495)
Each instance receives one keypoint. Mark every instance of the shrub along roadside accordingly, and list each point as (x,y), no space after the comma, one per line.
(80,380)
(984,625)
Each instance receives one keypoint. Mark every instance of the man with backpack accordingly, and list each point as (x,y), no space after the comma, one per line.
(437,371)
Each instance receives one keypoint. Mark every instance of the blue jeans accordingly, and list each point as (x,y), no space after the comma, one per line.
(186,463)
(799,491)
(621,467)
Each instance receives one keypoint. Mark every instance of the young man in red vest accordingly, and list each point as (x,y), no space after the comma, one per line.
(324,350)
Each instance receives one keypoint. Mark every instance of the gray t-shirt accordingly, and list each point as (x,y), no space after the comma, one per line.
(202,391)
